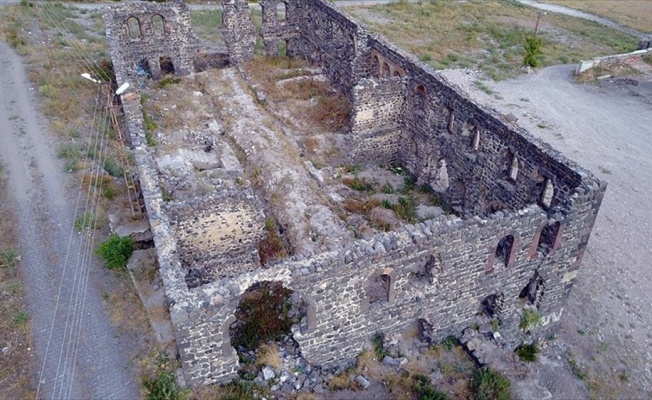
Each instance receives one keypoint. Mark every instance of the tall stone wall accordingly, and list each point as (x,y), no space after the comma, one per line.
(238,30)
(151,33)
(378,108)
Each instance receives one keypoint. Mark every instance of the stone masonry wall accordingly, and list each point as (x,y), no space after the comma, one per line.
(147,31)
(378,107)
(521,226)
(238,30)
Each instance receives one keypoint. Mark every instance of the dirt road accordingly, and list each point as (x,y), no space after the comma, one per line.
(607,129)
(79,353)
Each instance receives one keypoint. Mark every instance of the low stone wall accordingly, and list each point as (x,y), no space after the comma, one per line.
(584,66)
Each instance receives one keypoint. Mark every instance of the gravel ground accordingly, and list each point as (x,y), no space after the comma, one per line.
(79,353)
(607,128)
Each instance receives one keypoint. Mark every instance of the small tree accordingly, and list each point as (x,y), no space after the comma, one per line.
(533,51)
(115,252)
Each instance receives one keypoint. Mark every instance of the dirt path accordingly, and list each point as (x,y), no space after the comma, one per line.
(581,14)
(81,353)
(608,130)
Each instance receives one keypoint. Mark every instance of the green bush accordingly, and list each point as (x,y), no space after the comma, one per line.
(115,252)
(528,352)
(488,384)
(533,51)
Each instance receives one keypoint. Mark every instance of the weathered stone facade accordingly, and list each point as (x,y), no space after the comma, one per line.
(150,37)
(238,30)
(527,214)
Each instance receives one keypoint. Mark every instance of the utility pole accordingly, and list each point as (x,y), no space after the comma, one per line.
(540,14)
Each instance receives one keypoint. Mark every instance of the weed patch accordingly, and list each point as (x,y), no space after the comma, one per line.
(358,184)
(528,352)
(529,319)
(272,246)
(488,384)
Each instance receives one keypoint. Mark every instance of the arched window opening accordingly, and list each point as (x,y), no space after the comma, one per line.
(376,67)
(420,98)
(142,68)
(513,171)
(549,238)
(451,120)
(548,194)
(386,70)
(133,24)
(397,73)
(533,292)
(167,68)
(504,250)
(158,22)
(475,143)
(283,48)
(281,12)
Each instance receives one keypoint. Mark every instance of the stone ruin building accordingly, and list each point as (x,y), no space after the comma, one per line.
(525,211)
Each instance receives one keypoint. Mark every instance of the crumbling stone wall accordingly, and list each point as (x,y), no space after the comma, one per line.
(528,214)
(279,25)
(238,30)
(147,34)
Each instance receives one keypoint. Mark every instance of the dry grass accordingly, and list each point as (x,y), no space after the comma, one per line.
(488,34)
(605,69)
(269,355)
(125,309)
(289,86)
(632,13)
(15,334)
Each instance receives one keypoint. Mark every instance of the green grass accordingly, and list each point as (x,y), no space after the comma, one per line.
(20,318)
(86,221)
(488,34)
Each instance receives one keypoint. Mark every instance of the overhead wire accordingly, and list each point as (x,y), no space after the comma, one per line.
(81,277)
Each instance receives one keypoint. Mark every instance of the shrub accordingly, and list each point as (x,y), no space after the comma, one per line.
(113,167)
(533,51)
(530,319)
(263,315)
(425,391)
(161,385)
(115,252)
(406,209)
(488,384)
(9,258)
(358,184)
(528,352)
(449,343)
